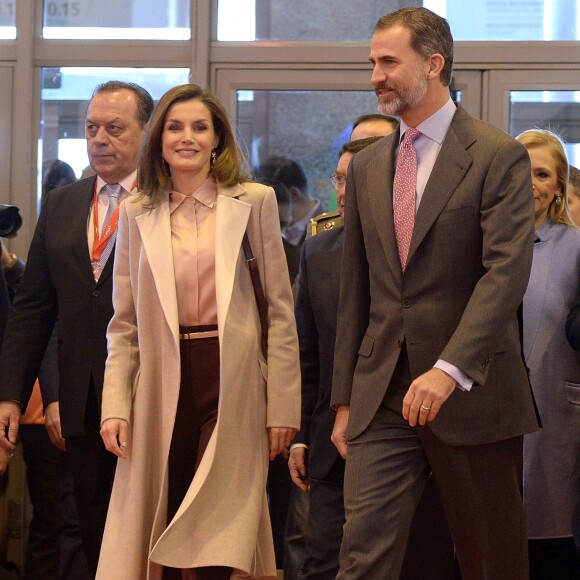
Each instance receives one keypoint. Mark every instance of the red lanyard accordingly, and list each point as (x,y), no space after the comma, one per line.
(99,242)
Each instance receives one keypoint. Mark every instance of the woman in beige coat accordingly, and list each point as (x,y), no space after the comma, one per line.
(190,405)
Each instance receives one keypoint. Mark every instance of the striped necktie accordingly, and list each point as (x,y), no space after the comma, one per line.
(114,192)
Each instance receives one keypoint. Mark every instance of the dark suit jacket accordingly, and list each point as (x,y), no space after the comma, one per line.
(573,323)
(467,272)
(292,254)
(4,304)
(316,311)
(58,281)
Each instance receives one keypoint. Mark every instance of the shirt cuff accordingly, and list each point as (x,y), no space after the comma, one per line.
(463,381)
(296,445)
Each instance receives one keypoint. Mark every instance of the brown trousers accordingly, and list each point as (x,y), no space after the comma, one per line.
(194,423)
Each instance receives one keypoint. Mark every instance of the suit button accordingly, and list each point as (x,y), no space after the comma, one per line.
(400,343)
(406,303)
(96,293)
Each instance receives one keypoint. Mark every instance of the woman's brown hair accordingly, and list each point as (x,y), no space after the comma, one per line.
(230,166)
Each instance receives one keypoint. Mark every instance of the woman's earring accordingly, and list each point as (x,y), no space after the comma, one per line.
(558,200)
(213,156)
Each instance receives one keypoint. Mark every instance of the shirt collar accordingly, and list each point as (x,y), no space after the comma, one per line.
(128,183)
(545,231)
(206,194)
(435,127)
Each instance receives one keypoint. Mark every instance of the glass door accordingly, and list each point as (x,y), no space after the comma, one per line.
(545,99)
(307,115)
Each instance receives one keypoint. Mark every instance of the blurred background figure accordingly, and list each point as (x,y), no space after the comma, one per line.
(552,454)
(291,174)
(574,194)
(56,173)
(284,201)
(373,125)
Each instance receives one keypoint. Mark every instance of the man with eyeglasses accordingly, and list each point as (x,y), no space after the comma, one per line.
(315,465)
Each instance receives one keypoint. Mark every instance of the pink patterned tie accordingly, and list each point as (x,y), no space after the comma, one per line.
(404,193)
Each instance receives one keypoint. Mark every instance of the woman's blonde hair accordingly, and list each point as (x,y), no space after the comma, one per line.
(230,166)
(557,212)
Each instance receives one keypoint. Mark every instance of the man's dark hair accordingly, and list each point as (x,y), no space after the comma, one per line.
(281,191)
(430,34)
(56,173)
(145,104)
(375,117)
(358,145)
(283,169)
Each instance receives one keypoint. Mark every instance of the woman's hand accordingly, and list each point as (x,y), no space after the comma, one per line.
(114,433)
(280,439)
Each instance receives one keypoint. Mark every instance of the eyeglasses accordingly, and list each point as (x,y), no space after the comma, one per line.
(338,180)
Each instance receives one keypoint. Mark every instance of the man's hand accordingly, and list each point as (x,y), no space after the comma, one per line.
(280,439)
(339,431)
(426,395)
(297,466)
(10,412)
(52,424)
(114,433)
(5,257)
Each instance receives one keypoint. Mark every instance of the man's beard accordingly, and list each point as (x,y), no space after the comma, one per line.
(403,100)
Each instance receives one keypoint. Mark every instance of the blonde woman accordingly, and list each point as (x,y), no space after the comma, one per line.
(552,455)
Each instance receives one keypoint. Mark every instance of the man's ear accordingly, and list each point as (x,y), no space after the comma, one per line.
(436,64)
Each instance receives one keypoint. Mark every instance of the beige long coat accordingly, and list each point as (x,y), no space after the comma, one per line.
(223,519)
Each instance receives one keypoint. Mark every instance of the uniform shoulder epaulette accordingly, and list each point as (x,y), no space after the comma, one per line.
(324,221)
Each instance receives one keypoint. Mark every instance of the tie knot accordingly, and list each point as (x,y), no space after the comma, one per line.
(410,135)
(113,190)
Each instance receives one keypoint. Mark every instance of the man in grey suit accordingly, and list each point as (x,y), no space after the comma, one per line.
(428,373)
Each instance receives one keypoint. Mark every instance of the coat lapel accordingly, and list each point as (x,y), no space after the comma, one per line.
(155,229)
(535,297)
(232,215)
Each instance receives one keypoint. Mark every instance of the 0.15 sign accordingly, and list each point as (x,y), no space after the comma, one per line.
(62,9)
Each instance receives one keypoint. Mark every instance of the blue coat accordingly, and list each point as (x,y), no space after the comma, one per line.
(552,455)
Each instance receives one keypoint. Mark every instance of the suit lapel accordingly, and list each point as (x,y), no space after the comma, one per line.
(381,173)
(449,170)
(155,229)
(82,205)
(232,216)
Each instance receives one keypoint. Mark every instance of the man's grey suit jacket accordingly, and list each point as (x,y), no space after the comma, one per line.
(466,274)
